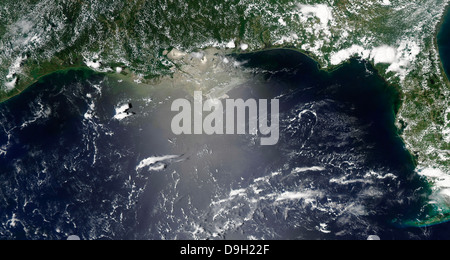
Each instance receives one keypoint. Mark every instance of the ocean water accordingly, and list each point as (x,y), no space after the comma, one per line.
(443,40)
(76,151)
(441,231)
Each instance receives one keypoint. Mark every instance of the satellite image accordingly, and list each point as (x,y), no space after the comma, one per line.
(101,137)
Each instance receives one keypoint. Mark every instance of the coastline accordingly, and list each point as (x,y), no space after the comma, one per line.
(445,16)
(330,69)
(18,90)
(129,77)
(437,213)
(106,100)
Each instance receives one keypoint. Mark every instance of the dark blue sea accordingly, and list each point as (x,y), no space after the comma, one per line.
(443,41)
(340,170)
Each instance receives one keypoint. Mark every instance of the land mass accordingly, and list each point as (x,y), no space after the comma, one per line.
(148,39)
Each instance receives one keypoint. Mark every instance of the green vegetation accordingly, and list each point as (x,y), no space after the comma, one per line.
(38,37)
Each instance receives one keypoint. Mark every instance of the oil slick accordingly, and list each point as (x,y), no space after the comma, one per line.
(214,123)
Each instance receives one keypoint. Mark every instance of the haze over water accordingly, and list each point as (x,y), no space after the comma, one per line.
(339,171)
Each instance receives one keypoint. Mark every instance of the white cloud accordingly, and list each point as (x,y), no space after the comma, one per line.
(398,58)
(321,11)
(231,45)
(122,112)
(384,55)
(10,85)
(441,181)
(244,46)
(346,54)
(151,161)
